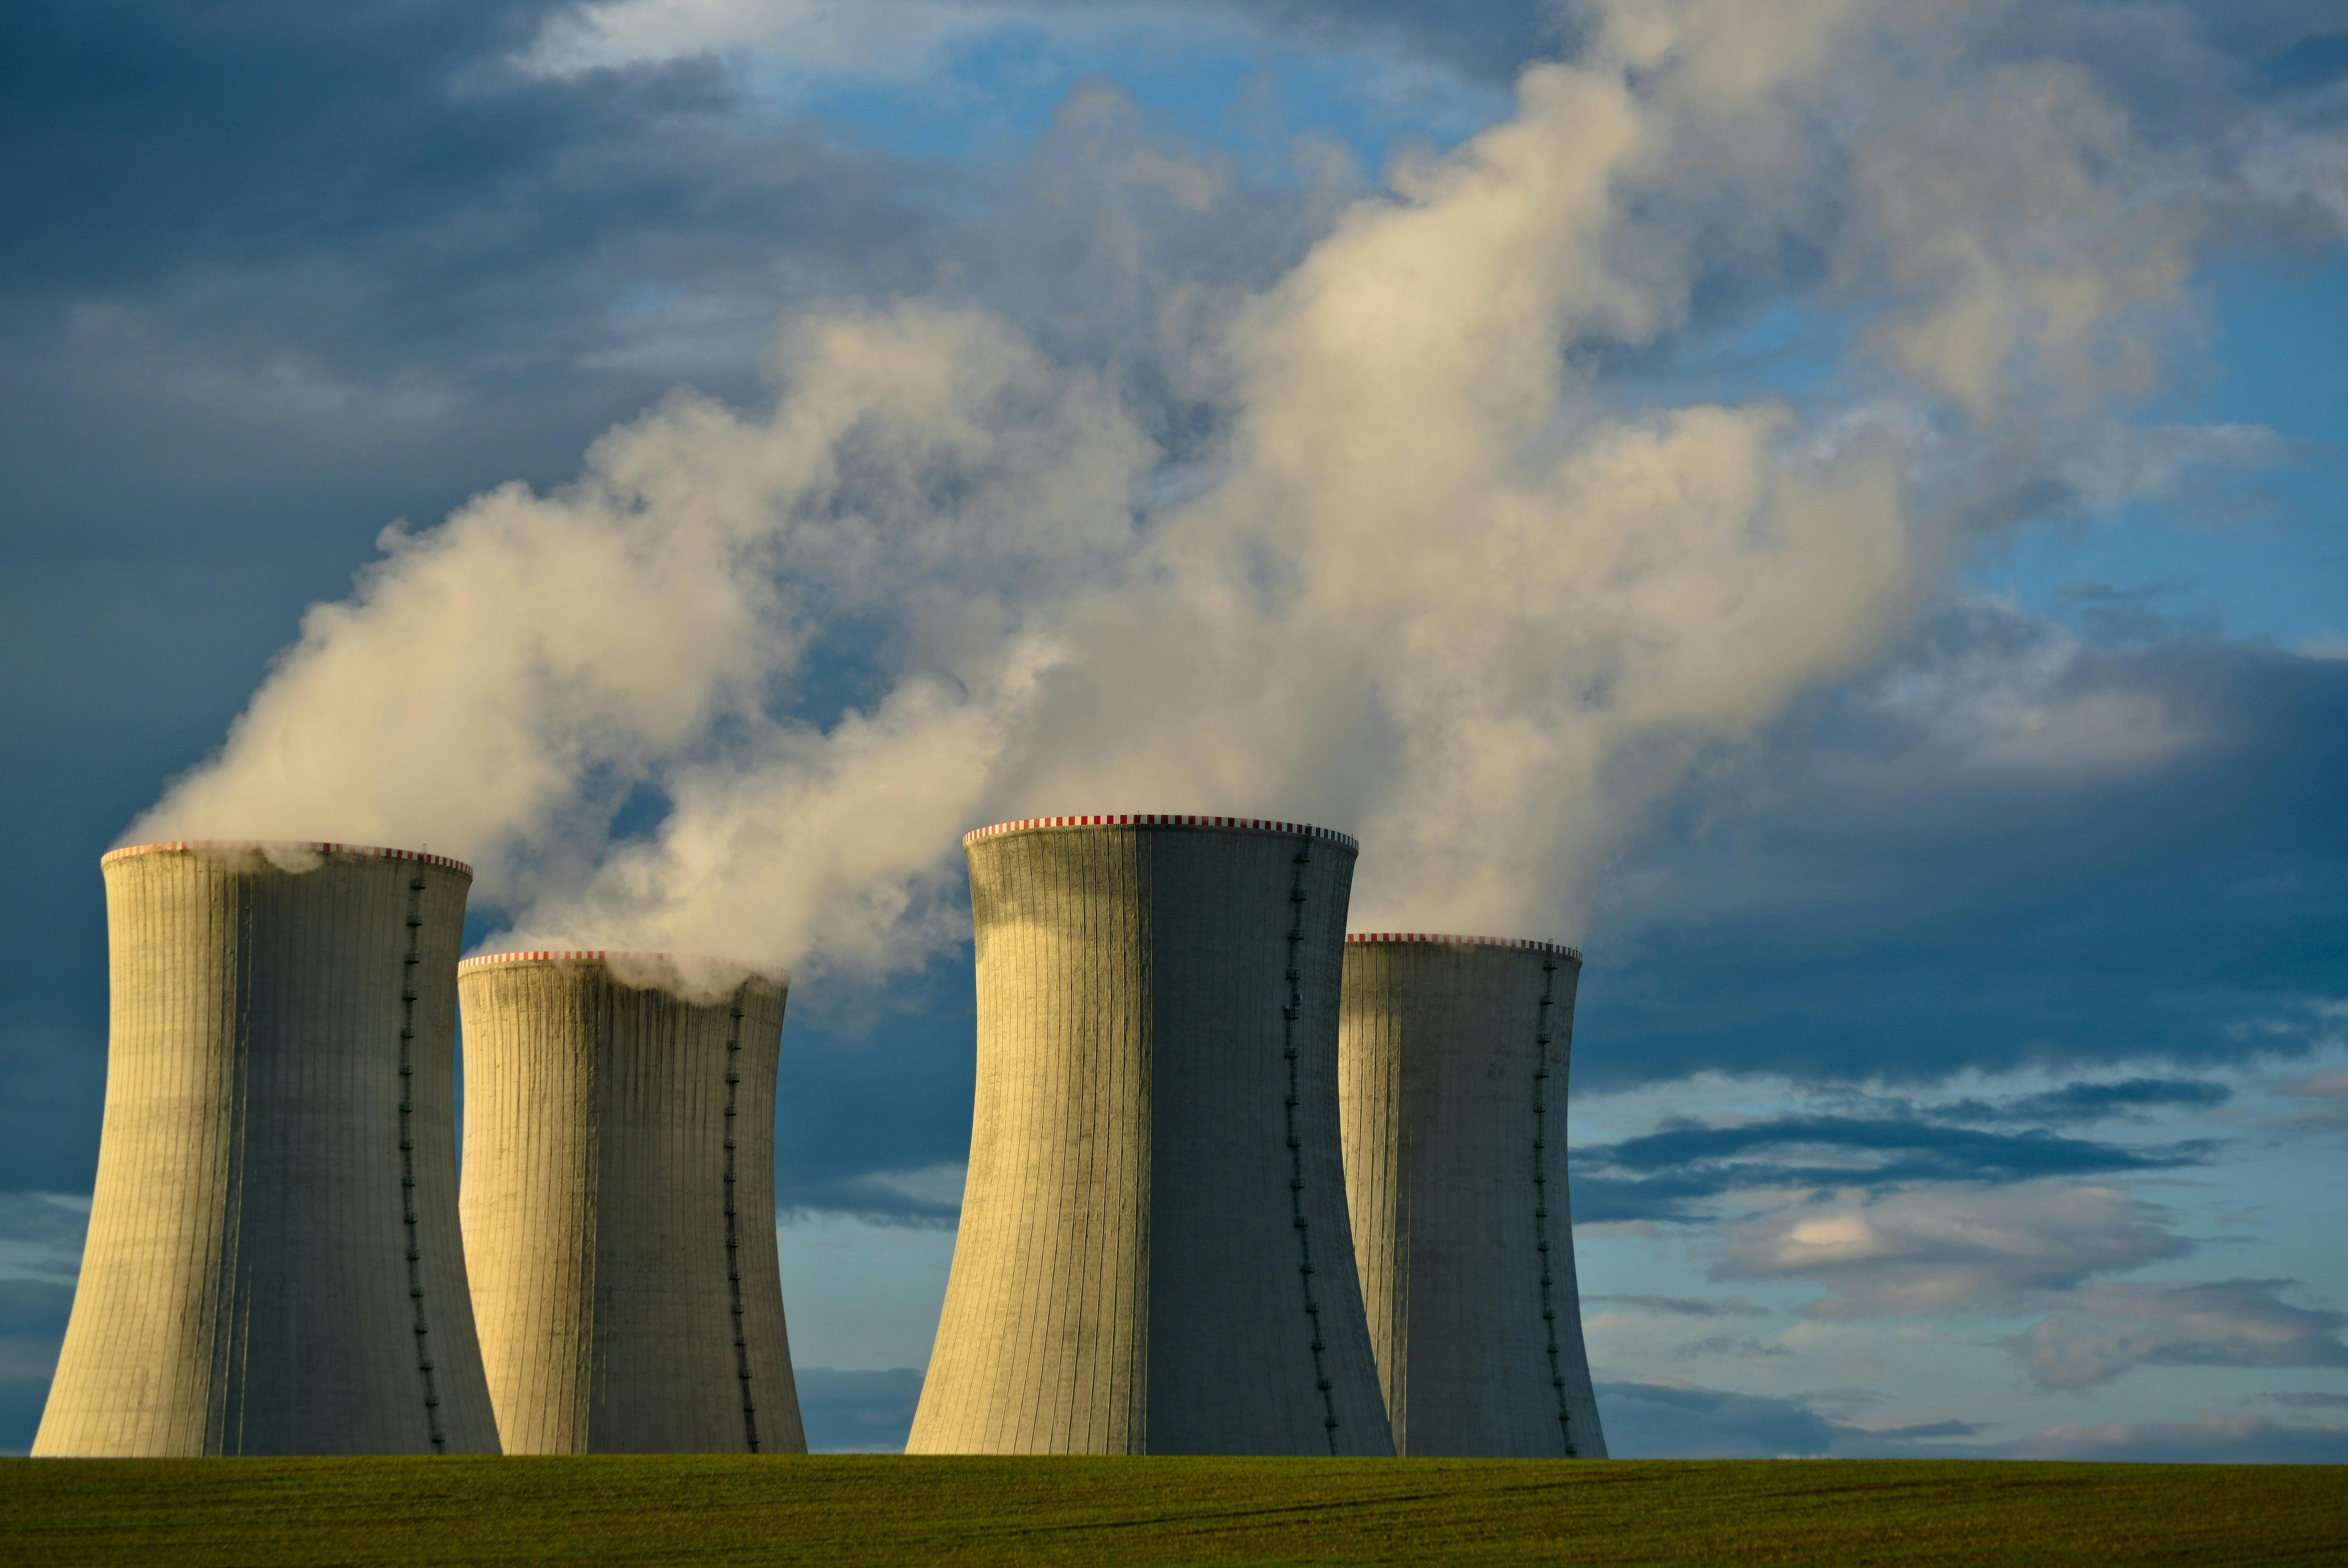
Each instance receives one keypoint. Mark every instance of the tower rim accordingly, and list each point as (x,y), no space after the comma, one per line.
(606,956)
(1514,944)
(566,955)
(309,846)
(1165,819)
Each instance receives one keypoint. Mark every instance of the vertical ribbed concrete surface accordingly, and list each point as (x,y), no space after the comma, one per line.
(619,1207)
(1154,1254)
(273,1264)
(1452,1055)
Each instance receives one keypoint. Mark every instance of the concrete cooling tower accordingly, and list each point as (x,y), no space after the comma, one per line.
(1452,1055)
(619,1205)
(273,1265)
(1153,1255)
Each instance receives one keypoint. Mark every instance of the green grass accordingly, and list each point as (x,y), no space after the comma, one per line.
(844,1511)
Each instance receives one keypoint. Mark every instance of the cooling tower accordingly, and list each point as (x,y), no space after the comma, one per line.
(1452,1055)
(273,1265)
(619,1204)
(1153,1255)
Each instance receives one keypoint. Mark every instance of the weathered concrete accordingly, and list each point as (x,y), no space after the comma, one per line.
(1154,1256)
(273,1265)
(619,1207)
(1452,1056)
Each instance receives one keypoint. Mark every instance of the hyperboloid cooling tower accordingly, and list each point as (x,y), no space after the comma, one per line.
(273,1265)
(1153,1255)
(1452,1055)
(619,1205)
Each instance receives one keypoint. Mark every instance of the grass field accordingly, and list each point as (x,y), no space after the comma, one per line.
(854,1510)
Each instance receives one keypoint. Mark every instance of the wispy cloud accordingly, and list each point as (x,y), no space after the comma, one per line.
(1950,1247)
(1683,1306)
(1687,1421)
(2109,1329)
(2211,1437)
(1728,1345)
(1684,1421)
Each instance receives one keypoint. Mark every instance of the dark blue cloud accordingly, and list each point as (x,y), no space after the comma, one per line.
(1673,1174)
(2081,1102)
(276,272)
(1871,902)
(151,140)
(2310,62)
(1487,38)
(1920,1150)
(1649,1420)
(1652,1420)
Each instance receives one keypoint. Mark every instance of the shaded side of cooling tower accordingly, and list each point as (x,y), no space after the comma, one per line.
(1154,1256)
(619,1206)
(1452,1059)
(273,1264)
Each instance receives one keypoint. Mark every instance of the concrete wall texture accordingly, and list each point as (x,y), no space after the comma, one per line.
(273,1265)
(619,1207)
(1154,1254)
(1452,1056)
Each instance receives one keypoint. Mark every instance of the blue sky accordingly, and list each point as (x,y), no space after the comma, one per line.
(1962,1059)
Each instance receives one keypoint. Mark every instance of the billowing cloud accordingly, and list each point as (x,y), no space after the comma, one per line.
(2109,1329)
(1425,575)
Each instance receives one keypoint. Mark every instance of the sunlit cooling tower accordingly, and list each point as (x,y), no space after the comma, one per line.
(619,1204)
(273,1264)
(1153,1255)
(1452,1054)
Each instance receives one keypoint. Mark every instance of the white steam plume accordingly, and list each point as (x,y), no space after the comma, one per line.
(1437,583)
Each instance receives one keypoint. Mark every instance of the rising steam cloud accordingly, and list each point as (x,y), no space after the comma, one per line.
(1444,576)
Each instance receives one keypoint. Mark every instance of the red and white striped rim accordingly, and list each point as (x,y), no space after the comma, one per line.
(1139,819)
(1521,944)
(111,856)
(555,955)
